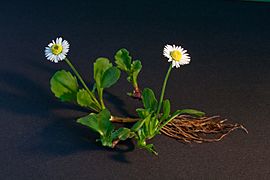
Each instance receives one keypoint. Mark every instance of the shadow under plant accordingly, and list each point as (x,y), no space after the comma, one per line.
(58,134)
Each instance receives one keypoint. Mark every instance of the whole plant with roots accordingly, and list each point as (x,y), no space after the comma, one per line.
(154,117)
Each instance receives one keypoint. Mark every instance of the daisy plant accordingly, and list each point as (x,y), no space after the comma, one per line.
(152,117)
(156,114)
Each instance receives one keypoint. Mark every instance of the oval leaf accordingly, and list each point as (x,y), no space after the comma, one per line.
(91,122)
(84,100)
(166,109)
(100,66)
(104,122)
(64,85)
(149,99)
(110,77)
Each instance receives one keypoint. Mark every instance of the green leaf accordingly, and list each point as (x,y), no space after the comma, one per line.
(91,122)
(110,77)
(137,125)
(150,148)
(166,109)
(121,133)
(104,122)
(141,137)
(142,113)
(106,141)
(123,60)
(64,85)
(100,66)
(192,112)
(98,122)
(147,127)
(149,99)
(84,100)
(153,127)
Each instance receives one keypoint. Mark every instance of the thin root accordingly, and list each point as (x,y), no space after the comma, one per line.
(205,129)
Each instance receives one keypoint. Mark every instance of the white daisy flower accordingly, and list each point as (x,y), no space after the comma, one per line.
(57,50)
(177,55)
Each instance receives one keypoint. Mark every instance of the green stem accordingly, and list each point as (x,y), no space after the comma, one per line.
(135,84)
(163,89)
(82,81)
(101,99)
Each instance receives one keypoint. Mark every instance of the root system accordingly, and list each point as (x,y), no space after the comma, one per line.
(189,129)
(205,129)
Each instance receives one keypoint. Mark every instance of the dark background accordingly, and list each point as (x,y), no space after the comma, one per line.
(229,43)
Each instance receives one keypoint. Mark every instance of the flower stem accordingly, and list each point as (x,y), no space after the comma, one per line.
(82,81)
(163,89)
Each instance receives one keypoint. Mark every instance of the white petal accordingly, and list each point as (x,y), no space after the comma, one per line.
(173,63)
(60,40)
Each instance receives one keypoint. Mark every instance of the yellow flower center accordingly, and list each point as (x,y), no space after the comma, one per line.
(56,49)
(176,55)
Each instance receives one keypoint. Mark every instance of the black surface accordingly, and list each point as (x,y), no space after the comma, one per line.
(228,75)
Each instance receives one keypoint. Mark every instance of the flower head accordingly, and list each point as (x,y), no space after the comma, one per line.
(57,50)
(177,55)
